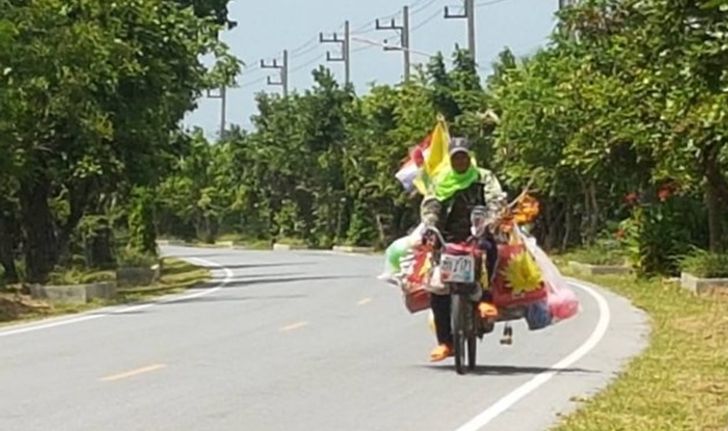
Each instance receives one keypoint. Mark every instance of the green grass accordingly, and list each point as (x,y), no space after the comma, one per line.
(290,241)
(601,253)
(136,259)
(79,276)
(177,276)
(701,263)
(681,381)
(237,239)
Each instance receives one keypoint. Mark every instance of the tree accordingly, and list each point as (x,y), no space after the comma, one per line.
(94,90)
(621,104)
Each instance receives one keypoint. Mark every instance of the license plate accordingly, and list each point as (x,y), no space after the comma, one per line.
(457,269)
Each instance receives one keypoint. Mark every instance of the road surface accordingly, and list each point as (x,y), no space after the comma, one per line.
(298,341)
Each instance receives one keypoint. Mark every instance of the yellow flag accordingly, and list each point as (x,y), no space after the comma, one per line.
(436,159)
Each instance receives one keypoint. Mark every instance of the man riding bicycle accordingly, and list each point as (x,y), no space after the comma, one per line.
(458,190)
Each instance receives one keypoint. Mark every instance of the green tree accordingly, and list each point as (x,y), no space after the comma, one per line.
(94,90)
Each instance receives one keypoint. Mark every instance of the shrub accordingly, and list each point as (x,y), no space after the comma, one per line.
(704,264)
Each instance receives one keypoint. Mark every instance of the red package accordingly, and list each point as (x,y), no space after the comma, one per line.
(503,294)
(416,297)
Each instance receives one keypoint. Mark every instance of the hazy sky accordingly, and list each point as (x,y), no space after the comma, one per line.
(266,27)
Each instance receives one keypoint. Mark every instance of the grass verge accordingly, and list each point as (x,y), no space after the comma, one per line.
(238,240)
(603,252)
(680,382)
(177,275)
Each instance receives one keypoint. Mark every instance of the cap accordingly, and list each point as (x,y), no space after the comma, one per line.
(459,145)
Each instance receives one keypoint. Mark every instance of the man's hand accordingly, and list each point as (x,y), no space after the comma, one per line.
(429,220)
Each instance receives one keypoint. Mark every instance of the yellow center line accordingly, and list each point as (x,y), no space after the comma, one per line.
(364,301)
(294,326)
(133,373)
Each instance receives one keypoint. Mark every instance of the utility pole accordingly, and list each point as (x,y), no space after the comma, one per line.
(404,33)
(565,3)
(469,15)
(345,55)
(222,95)
(282,67)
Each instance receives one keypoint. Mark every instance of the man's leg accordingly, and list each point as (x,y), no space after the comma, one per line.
(490,248)
(491,255)
(441,309)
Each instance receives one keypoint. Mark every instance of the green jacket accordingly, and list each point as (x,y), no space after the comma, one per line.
(452,216)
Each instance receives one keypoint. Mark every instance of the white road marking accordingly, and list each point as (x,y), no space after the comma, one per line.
(517,394)
(97,314)
(474,424)
(364,301)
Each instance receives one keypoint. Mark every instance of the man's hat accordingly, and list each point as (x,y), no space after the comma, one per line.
(459,145)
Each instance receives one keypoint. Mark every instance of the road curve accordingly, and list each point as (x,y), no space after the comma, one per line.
(298,341)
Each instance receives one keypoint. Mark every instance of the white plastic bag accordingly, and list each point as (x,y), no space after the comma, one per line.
(397,252)
(562,301)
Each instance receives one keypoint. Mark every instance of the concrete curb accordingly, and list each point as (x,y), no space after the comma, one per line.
(702,286)
(289,247)
(588,269)
(74,294)
(353,249)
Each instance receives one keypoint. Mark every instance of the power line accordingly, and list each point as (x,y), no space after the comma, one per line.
(304,52)
(253,82)
(403,31)
(416,10)
(345,55)
(283,70)
(362,48)
(363,26)
(414,5)
(383,44)
(308,63)
(261,80)
(306,44)
(310,45)
(222,95)
(469,15)
(490,3)
(426,21)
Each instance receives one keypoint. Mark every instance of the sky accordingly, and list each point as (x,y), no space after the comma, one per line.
(266,27)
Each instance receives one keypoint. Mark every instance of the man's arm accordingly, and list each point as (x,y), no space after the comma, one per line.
(430,211)
(495,198)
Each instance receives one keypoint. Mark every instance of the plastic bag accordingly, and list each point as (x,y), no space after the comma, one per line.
(399,250)
(414,282)
(562,301)
(538,315)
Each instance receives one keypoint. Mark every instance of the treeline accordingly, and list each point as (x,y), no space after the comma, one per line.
(91,93)
(620,122)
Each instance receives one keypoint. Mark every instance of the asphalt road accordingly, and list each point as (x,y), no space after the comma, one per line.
(298,341)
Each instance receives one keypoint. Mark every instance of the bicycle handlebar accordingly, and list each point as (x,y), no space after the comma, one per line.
(437,232)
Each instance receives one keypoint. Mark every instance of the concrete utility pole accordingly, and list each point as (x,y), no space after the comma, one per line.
(565,3)
(345,55)
(283,67)
(404,44)
(222,95)
(469,15)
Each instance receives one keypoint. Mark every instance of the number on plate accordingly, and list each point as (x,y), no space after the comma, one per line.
(457,269)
